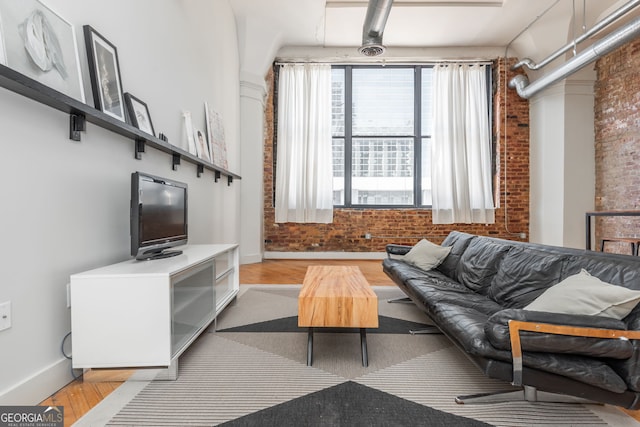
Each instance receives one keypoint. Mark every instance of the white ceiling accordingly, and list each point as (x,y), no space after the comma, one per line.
(429,23)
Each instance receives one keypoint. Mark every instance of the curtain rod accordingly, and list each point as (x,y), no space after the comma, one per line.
(383,62)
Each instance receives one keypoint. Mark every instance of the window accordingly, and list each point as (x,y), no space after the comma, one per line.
(381,127)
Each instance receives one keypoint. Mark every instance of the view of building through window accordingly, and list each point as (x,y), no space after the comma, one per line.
(381,126)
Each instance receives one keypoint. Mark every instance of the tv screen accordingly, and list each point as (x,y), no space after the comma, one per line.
(158,216)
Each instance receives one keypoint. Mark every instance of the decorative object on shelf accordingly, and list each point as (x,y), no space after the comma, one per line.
(215,132)
(139,113)
(201,144)
(104,70)
(39,43)
(3,52)
(188,143)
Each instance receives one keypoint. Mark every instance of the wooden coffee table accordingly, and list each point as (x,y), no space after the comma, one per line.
(337,297)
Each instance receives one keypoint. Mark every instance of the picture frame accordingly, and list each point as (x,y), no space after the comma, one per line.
(216,138)
(3,52)
(202,146)
(104,71)
(188,143)
(139,114)
(207,118)
(40,44)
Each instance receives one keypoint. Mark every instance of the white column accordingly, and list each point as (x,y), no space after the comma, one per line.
(562,161)
(252,102)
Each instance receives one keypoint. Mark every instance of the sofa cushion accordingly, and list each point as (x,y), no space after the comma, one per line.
(611,268)
(436,294)
(584,294)
(401,272)
(479,263)
(497,330)
(458,242)
(426,255)
(523,275)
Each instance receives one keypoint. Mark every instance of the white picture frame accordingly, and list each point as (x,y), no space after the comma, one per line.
(3,53)
(188,141)
(216,138)
(202,146)
(24,25)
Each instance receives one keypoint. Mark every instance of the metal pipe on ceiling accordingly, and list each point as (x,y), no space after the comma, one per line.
(373,28)
(592,53)
(530,64)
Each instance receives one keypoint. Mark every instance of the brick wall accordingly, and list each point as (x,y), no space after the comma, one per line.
(410,225)
(617,139)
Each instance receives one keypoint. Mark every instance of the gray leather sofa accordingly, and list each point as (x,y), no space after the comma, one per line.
(484,283)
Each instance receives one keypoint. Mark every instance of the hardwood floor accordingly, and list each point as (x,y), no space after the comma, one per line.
(286,272)
(79,396)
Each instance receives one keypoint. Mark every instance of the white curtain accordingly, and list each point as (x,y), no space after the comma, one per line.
(304,171)
(461,149)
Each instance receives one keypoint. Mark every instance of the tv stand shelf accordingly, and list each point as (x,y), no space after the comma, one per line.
(145,314)
(80,112)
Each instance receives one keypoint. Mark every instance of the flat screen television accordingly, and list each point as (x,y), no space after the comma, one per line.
(158,216)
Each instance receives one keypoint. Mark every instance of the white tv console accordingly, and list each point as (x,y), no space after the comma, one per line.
(138,314)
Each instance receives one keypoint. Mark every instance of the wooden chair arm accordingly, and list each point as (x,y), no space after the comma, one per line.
(515,326)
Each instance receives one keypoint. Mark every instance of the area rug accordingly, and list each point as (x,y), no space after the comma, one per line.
(250,370)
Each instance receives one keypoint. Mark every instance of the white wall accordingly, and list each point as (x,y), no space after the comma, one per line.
(65,204)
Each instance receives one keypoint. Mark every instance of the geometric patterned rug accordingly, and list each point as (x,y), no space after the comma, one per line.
(251,371)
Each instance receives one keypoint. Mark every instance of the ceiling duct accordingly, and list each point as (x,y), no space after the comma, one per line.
(592,53)
(527,62)
(376,19)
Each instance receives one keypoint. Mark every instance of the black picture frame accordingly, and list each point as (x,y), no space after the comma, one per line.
(139,113)
(104,70)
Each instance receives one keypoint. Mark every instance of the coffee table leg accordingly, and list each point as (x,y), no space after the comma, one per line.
(363,343)
(310,347)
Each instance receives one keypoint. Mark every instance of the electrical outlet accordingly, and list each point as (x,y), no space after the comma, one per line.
(5,315)
(68,295)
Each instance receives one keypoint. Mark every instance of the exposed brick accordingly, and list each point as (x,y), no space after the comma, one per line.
(617,143)
(407,226)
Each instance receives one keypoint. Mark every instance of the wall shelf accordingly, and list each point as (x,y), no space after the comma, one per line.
(79,113)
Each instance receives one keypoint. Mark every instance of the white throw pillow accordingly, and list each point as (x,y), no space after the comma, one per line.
(584,294)
(427,255)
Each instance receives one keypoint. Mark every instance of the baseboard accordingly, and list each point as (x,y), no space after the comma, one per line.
(39,386)
(325,255)
(250,259)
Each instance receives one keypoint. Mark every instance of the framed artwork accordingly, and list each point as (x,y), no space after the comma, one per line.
(104,71)
(139,114)
(188,144)
(3,53)
(215,132)
(39,43)
(201,144)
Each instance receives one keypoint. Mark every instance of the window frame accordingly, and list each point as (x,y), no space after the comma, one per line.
(417,136)
(349,137)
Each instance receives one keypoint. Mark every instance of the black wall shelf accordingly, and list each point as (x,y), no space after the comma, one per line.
(80,112)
